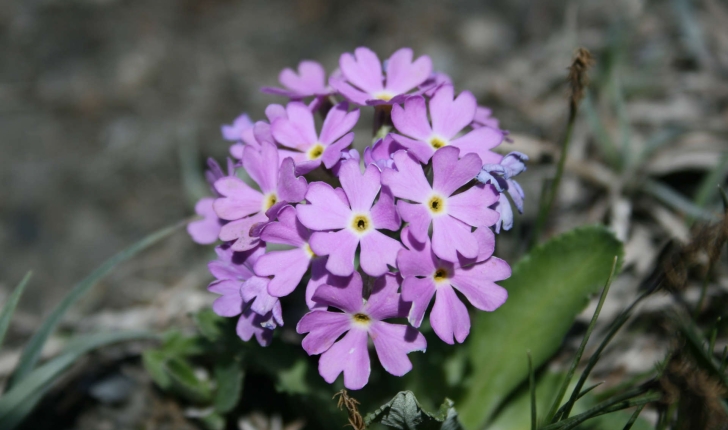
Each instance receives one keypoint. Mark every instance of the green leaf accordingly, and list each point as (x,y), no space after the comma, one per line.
(547,290)
(229,378)
(405,413)
(154,363)
(213,421)
(209,324)
(11,403)
(6,314)
(293,379)
(185,382)
(32,350)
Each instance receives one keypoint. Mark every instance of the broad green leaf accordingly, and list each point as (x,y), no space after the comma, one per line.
(229,378)
(32,350)
(154,362)
(293,379)
(11,403)
(213,421)
(185,382)
(404,412)
(176,344)
(6,314)
(548,288)
(209,324)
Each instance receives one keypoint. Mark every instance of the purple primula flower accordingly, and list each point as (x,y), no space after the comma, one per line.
(484,118)
(451,215)
(259,133)
(362,81)
(501,176)
(234,131)
(298,132)
(244,206)
(426,276)
(207,230)
(342,223)
(309,81)
(449,116)
(286,267)
(361,319)
(434,83)
(240,292)
(380,153)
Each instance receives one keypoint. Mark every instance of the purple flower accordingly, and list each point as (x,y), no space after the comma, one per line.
(360,320)
(426,276)
(484,118)
(434,83)
(298,132)
(286,267)
(234,131)
(240,293)
(343,222)
(380,153)
(451,215)
(501,176)
(449,117)
(309,81)
(259,133)
(207,230)
(244,206)
(363,82)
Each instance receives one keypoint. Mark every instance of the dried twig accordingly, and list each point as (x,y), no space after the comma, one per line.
(350,403)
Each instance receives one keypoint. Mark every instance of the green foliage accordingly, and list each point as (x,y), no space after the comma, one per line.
(32,350)
(547,290)
(404,412)
(7,311)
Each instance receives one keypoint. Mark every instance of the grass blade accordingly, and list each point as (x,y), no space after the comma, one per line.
(633,418)
(532,389)
(579,352)
(677,201)
(32,350)
(6,314)
(11,403)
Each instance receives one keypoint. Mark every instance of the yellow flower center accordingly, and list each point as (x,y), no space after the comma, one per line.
(437,143)
(440,275)
(316,152)
(360,223)
(309,251)
(436,204)
(384,96)
(361,318)
(269,201)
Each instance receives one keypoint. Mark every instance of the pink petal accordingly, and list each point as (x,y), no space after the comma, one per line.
(420,150)
(338,122)
(393,342)
(262,166)
(471,206)
(323,329)
(319,276)
(450,237)
(239,231)
(451,173)
(362,69)
(286,267)
(418,217)
(249,325)
(325,210)
(230,303)
(408,181)
(450,116)
(310,80)
(449,317)
(344,293)
(332,153)
(480,141)
(361,190)
(411,120)
(419,292)
(297,130)
(340,247)
(206,230)
(377,251)
(349,92)
(349,355)
(384,213)
(416,262)
(477,284)
(287,230)
(274,111)
(291,189)
(255,290)
(384,301)
(239,199)
(486,243)
(404,75)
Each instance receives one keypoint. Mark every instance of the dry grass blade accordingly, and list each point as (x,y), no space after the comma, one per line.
(345,401)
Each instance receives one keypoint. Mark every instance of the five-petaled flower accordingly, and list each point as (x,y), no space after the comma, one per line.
(343,221)
(452,215)
(360,319)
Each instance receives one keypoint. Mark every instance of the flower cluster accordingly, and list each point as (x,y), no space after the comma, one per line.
(374,237)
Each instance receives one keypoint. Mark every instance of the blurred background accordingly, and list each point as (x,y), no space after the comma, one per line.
(109,109)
